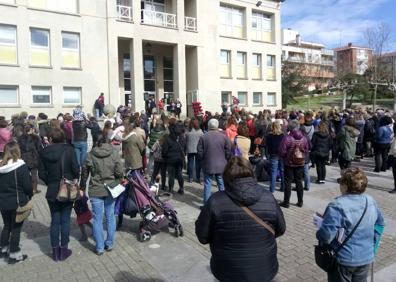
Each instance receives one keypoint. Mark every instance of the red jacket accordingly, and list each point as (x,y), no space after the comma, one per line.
(252,128)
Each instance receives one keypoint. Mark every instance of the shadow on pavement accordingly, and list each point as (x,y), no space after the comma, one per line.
(124,276)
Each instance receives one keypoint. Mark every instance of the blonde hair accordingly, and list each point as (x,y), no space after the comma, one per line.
(276,128)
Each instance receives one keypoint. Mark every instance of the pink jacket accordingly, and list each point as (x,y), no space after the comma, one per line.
(5,137)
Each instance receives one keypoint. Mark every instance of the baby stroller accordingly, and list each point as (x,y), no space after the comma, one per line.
(156,214)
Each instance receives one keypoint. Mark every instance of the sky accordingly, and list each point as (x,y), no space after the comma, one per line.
(337,22)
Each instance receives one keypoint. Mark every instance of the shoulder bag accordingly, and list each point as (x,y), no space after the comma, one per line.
(23,212)
(68,189)
(326,257)
(258,220)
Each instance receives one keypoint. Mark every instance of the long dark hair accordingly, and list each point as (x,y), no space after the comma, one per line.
(11,152)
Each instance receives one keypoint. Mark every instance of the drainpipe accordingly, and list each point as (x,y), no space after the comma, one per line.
(108,51)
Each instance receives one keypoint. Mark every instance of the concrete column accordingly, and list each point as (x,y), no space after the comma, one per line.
(136,11)
(248,23)
(180,14)
(113,75)
(137,74)
(179,65)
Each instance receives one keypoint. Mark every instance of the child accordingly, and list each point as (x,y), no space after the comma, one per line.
(84,216)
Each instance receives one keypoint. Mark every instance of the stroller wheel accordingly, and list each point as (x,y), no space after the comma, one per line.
(144,236)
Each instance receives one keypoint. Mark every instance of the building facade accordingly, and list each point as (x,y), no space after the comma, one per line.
(387,66)
(353,59)
(57,54)
(315,61)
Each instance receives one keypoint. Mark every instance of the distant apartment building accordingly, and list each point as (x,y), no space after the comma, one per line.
(317,62)
(56,54)
(387,66)
(353,59)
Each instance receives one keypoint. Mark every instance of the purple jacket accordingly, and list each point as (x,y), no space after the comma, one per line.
(287,146)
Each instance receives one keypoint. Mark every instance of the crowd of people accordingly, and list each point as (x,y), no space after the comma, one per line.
(236,149)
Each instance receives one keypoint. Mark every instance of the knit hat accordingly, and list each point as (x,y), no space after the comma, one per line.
(78,114)
(213,124)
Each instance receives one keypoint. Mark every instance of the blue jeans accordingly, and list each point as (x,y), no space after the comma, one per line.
(307,177)
(80,149)
(276,164)
(106,205)
(60,223)
(192,160)
(208,185)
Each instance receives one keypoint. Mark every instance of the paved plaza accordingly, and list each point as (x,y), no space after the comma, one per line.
(166,258)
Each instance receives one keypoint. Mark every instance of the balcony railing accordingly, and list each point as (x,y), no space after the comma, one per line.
(190,24)
(159,19)
(124,13)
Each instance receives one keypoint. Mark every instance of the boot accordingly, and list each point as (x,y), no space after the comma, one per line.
(181,191)
(64,253)
(55,253)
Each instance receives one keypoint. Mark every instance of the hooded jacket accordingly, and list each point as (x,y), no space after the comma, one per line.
(242,250)
(288,143)
(346,140)
(30,145)
(50,170)
(8,196)
(321,144)
(105,166)
(132,150)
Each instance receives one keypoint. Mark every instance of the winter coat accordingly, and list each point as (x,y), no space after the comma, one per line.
(242,250)
(346,141)
(8,192)
(243,145)
(384,135)
(173,150)
(5,137)
(50,170)
(132,151)
(231,132)
(155,134)
(192,139)
(308,129)
(68,130)
(44,128)
(360,126)
(30,145)
(214,149)
(105,166)
(79,131)
(288,144)
(321,144)
(369,130)
(273,143)
(252,127)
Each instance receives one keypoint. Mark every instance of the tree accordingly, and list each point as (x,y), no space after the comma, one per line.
(293,81)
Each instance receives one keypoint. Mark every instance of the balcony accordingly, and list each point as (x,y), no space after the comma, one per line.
(190,24)
(327,62)
(159,19)
(124,13)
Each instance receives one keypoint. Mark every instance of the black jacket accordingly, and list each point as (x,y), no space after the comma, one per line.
(8,196)
(79,131)
(50,170)
(242,250)
(172,150)
(321,144)
(30,145)
(273,143)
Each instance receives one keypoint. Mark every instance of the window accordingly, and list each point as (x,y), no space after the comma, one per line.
(8,95)
(256,66)
(257,98)
(39,47)
(70,50)
(271,67)
(241,65)
(231,22)
(168,75)
(41,95)
(261,27)
(8,47)
(149,74)
(72,95)
(67,6)
(225,97)
(242,97)
(225,63)
(271,99)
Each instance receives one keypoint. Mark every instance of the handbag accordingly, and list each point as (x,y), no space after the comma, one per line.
(326,257)
(68,189)
(23,212)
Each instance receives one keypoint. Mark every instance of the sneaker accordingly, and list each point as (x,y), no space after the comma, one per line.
(284,205)
(181,191)
(322,182)
(300,204)
(376,170)
(393,191)
(99,253)
(5,254)
(306,189)
(14,260)
(108,248)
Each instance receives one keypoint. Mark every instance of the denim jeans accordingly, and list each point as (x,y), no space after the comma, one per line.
(192,160)
(80,149)
(11,233)
(349,273)
(208,185)
(106,206)
(307,177)
(60,223)
(276,164)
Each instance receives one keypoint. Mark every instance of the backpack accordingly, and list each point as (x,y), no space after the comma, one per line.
(297,156)
(236,152)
